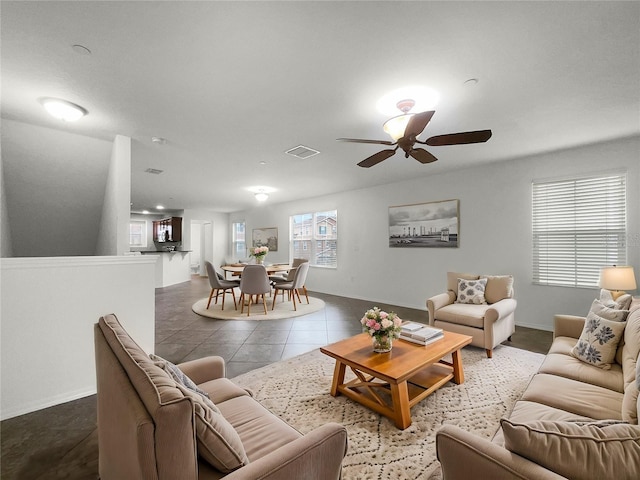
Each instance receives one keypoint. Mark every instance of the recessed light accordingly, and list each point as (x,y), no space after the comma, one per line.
(62,109)
(263,163)
(146,212)
(471,81)
(159,207)
(424,99)
(159,140)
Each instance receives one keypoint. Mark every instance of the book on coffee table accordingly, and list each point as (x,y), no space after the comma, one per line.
(420,333)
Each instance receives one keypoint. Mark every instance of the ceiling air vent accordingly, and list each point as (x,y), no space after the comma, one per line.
(302,152)
(155,171)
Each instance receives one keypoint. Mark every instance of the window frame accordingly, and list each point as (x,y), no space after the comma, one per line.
(235,243)
(578,225)
(310,237)
(143,235)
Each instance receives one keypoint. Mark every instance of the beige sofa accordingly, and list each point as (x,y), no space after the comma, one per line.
(151,427)
(488,322)
(574,420)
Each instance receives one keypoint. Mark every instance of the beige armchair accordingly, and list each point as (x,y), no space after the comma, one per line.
(489,317)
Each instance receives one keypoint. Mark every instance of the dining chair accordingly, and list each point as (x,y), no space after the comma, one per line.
(254,281)
(219,286)
(294,286)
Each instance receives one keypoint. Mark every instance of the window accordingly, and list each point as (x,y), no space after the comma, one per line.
(238,241)
(137,233)
(314,236)
(579,225)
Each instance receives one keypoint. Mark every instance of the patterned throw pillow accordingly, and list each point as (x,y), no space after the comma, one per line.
(599,340)
(471,291)
(609,312)
(178,375)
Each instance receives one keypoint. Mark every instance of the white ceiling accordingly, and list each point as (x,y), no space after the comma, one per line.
(233,84)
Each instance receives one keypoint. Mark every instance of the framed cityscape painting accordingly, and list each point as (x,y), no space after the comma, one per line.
(431,225)
(266,236)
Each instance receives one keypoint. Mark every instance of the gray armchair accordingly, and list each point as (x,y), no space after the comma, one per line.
(489,323)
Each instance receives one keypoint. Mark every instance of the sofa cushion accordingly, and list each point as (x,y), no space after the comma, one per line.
(577,450)
(463,314)
(631,344)
(498,287)
(471,291)
(630,404)
(599,340)
(222,389)
(452,280)
(568,366)
(575,397)
(261,431)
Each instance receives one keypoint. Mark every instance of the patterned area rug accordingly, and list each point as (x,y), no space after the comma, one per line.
(283,309)
(297,390)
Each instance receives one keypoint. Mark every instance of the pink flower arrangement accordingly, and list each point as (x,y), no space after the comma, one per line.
(259,252)
(378,323)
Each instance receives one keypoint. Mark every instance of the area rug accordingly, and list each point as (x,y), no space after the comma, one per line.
(282,310)
(297,390)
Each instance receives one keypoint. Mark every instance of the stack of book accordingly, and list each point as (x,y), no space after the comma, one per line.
(420,333)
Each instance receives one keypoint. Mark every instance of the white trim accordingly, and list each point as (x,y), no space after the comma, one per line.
(40,262)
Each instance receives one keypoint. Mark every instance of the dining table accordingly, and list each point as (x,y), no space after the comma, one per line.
(236,268)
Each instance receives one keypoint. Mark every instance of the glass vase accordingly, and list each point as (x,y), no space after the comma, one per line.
(382,343)
(259,260)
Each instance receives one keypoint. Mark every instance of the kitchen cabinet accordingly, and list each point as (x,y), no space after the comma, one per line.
(167,230)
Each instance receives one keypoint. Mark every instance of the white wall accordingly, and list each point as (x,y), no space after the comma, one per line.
(495,232)
(5,229)
(48,309)
(113,236)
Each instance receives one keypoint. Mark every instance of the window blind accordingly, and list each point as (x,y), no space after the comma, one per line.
(578,225)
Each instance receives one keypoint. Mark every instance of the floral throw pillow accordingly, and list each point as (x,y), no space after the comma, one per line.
(471,291)
(598,342)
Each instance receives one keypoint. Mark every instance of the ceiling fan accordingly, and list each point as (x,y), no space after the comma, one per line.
(406,127)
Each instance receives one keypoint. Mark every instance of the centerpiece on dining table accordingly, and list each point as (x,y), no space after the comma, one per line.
(259,253)
(383,328)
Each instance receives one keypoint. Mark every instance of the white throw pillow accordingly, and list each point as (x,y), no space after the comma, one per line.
(622,302)
(608,312)
(471,291)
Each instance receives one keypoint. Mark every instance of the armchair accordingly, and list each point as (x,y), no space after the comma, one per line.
(489,318)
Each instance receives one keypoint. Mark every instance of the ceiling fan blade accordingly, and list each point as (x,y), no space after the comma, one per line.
(417,123)
(376,158)
(422,155)
(359,140)
(461,138)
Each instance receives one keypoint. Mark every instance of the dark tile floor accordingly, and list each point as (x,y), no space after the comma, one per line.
(61,442)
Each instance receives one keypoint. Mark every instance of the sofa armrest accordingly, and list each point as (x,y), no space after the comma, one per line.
(316,456)
(463,455)
(500,309)
(568,326)
(204,369)
(437,302)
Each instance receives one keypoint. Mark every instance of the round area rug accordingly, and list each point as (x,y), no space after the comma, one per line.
(282,310)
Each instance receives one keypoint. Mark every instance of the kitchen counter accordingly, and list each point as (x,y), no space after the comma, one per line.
(171,266)
(153,252)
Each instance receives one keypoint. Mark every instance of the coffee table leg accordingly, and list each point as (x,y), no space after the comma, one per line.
(458,372)
(338,378)
(400,398)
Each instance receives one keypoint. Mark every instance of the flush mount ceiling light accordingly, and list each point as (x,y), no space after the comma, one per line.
(424,99)
(159,207)
(62,109)
(261,196)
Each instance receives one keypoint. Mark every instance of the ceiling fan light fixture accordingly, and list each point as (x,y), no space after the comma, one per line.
(396,126)
(62,109)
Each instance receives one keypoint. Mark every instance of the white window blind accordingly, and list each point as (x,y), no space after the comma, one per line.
(579,225)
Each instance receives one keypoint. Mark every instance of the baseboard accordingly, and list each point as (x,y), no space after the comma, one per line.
(43,403)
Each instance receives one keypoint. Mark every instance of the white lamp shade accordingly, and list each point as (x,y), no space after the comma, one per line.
(617,278)
(396,126)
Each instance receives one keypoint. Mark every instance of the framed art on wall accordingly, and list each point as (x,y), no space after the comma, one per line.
(432,225)
(266,236)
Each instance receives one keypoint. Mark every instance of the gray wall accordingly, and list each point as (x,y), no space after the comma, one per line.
(495,231)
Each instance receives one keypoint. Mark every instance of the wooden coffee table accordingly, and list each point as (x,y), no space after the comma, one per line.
(391,383)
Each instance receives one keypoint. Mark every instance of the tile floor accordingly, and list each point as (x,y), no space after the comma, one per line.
(61,442)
